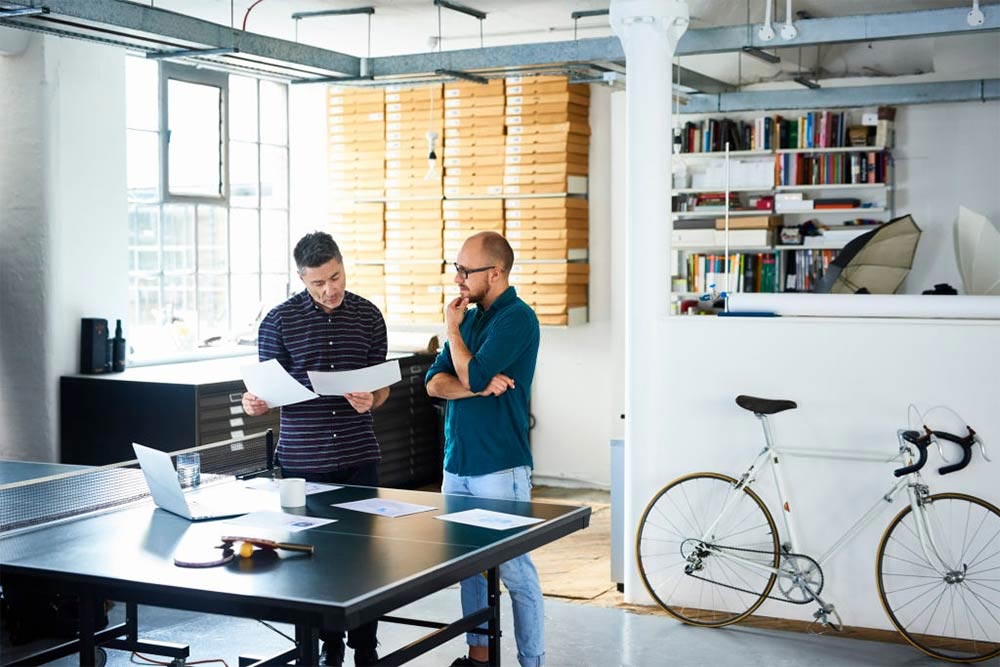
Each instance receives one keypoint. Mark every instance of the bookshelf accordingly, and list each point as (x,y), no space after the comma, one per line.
(783,171)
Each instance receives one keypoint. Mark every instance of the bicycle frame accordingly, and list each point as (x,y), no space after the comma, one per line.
(771,456)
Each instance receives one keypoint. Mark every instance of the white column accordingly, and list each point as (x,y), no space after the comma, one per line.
(649,31)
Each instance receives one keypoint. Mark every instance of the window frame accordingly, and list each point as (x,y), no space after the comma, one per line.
(176,72)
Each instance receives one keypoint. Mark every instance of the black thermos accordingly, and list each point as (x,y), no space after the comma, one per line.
(118,351)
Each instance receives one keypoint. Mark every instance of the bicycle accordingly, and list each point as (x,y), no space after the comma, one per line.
(709,553)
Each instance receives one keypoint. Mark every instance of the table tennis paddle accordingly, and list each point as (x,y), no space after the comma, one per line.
(203,556)
(229,540)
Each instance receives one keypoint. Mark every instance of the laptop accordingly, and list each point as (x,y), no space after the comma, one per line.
(168,494)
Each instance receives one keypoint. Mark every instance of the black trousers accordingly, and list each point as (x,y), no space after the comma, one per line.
(366,474)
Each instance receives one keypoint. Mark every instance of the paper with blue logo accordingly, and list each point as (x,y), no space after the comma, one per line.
(384,507)
(490,519)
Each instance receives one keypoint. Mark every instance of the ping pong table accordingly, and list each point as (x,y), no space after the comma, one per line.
(364,566)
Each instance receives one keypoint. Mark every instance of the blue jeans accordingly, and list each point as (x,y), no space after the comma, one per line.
(518,575)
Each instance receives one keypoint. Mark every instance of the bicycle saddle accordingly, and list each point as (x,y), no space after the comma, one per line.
(764,406)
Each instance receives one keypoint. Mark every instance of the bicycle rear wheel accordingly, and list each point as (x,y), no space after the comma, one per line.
(705,550)
(949,610)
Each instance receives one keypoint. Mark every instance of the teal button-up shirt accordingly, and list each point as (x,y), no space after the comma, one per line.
(486,434)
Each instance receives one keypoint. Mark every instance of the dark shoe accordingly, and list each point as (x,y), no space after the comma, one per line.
(333,654)
(466,661)
(363,657)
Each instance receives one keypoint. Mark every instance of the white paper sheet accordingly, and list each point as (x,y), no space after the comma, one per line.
(382,507)
(338,383)
(277,521)
(271,485)
(268,380)
(489,519)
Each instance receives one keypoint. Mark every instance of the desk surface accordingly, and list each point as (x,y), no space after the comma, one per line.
(364,565)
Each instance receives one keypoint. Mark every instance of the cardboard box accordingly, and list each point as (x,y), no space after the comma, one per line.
(473,191)
(582,129)
(474,140)
(493,129)
(542,118)
(574,185)
(562,97)
(751,222)
(566,147)
(494,160)
(547,138)
(572,160)
(492,88)
(486,101)
(417,205)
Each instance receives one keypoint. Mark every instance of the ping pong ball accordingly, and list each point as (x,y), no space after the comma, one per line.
(246,550)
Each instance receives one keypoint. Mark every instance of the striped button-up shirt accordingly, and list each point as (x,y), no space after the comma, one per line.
(325,433)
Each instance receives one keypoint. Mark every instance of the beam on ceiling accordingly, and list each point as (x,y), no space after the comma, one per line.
(853,96)
(700,82)
(143,20)
(869,27)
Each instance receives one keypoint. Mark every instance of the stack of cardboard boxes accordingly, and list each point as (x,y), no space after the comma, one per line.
(512,157)
(546,163)
(356,154)
(413,224)
(473,166)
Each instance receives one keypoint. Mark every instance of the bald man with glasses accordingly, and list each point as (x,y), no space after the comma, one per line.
(485,370)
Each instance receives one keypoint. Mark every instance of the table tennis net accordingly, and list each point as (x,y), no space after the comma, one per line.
(67,495)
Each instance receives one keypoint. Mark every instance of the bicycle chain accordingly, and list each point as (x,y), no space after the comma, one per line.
(744,590)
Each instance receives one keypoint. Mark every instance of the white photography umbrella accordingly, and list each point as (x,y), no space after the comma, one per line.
(977,244)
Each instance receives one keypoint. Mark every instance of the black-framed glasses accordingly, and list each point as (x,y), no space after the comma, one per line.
(464,272)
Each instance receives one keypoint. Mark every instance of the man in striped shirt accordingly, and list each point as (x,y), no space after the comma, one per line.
(328,439)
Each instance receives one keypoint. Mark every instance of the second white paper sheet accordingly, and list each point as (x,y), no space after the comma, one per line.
(338,383)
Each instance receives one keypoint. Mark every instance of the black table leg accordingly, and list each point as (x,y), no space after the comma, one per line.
(493,625)
(307,638)
(86,603)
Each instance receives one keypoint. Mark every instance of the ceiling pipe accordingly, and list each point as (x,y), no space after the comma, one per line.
(788,31)
(766,30)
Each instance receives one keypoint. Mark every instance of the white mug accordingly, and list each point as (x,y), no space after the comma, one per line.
(292,491)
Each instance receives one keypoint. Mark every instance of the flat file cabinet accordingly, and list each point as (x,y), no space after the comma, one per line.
(168,407)
(176,406)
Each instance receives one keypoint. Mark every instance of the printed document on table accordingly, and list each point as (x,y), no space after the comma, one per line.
(278,521)
(269,381)
(338,383)
(489,519)
(391,508)
(267,484)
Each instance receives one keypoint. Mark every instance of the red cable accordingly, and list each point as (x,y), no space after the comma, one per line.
(248,12)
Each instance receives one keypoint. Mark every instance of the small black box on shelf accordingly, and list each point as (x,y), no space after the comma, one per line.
(93,345)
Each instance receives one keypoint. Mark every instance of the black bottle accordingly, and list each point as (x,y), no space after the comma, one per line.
(118,353)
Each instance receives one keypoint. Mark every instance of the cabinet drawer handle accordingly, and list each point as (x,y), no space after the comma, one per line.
(235,398)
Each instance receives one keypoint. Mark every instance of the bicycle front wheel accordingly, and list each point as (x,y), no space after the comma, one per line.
(945,598)
(707,552)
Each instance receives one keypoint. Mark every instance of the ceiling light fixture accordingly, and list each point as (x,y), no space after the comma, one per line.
(761,54)
(808,83)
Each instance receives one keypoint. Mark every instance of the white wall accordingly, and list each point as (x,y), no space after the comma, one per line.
(947,155)
(64,225)
(853,380)
(929,146)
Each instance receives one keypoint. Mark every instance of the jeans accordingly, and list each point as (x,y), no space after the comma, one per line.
(518,575)
(366,474)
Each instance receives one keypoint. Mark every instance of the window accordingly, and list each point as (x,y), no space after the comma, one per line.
(208,205)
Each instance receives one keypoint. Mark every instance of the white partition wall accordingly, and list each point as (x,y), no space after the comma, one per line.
(853,380)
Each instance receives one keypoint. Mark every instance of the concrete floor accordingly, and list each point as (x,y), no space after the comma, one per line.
(577,636)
